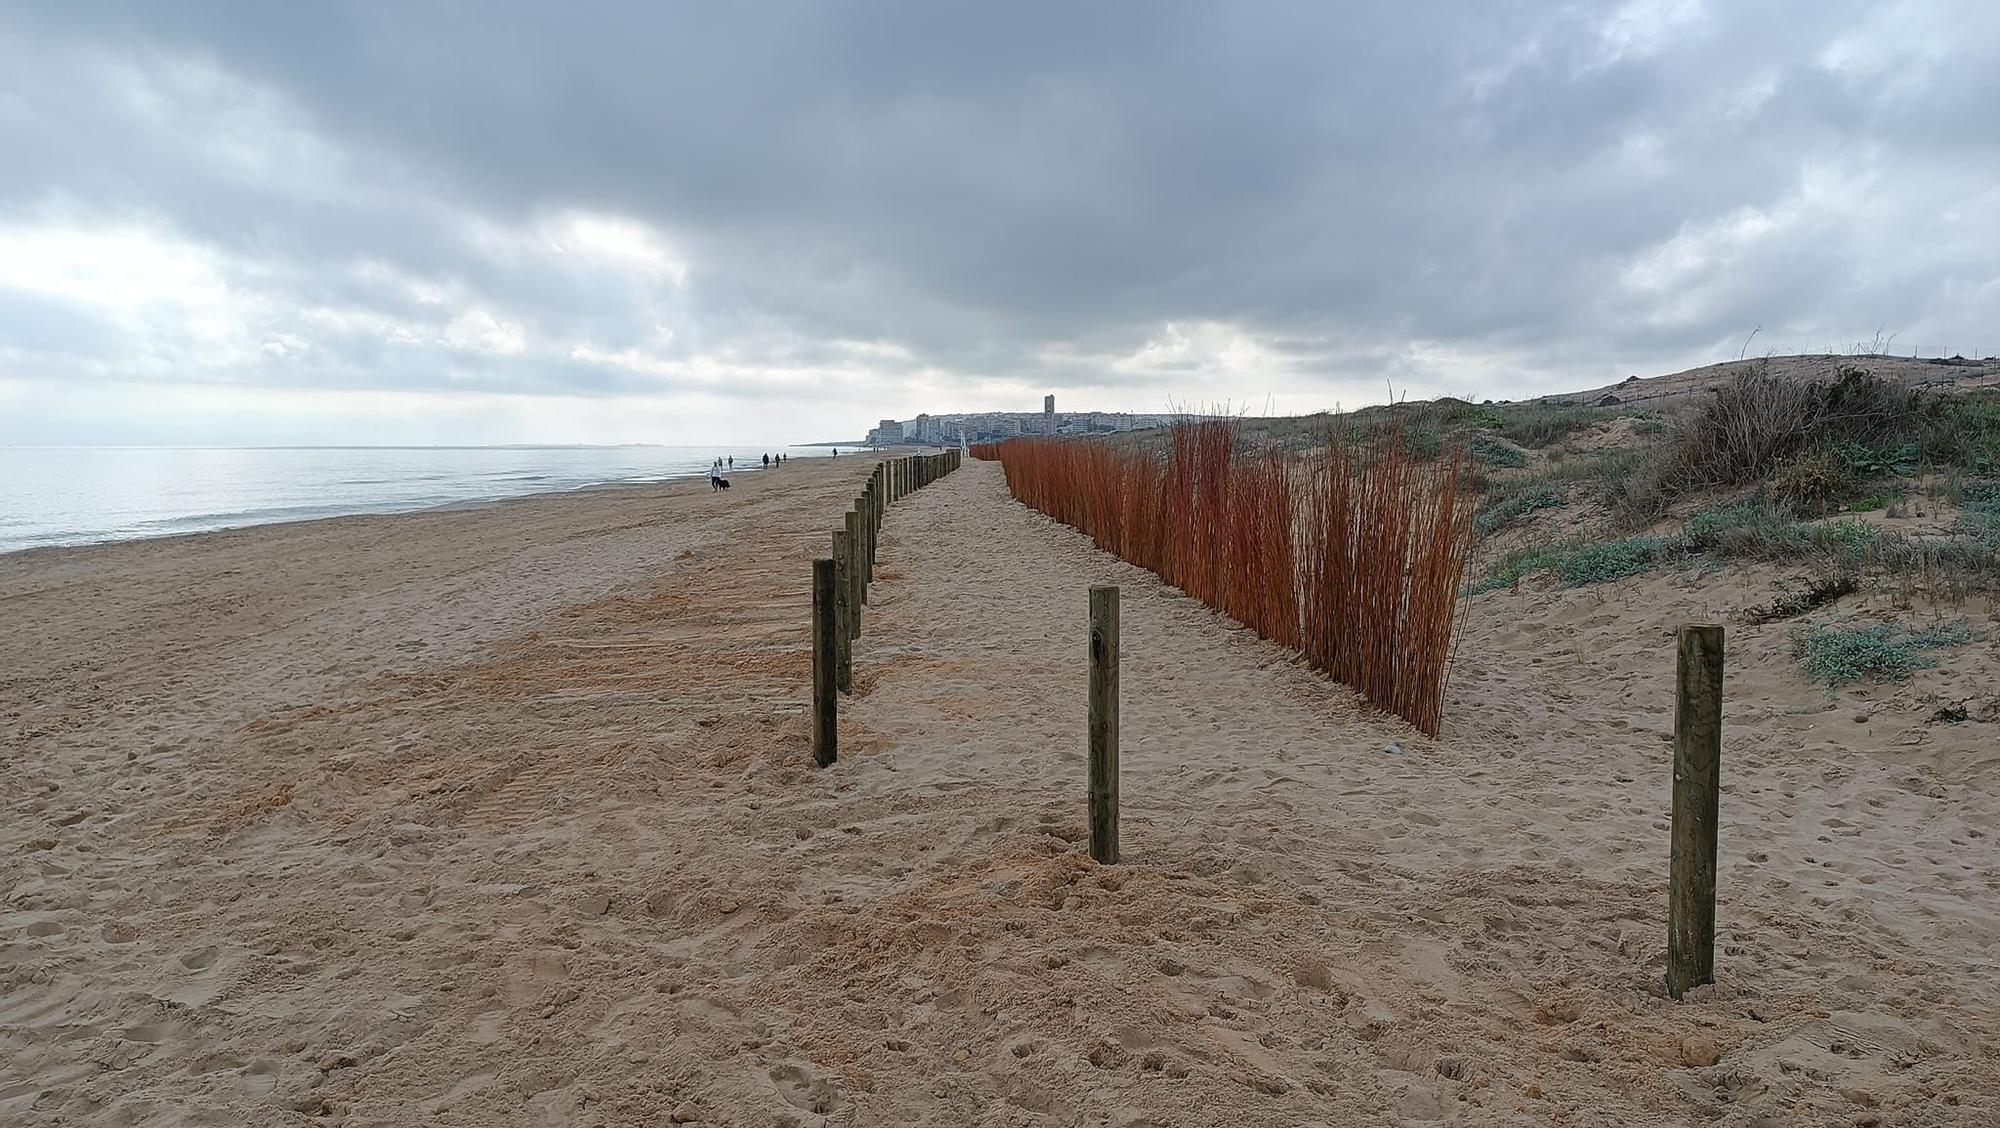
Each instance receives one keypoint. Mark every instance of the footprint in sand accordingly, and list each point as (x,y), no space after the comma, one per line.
(260,1077)
(118,932)
(802,1090)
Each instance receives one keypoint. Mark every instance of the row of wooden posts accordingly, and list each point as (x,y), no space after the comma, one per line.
(840,586)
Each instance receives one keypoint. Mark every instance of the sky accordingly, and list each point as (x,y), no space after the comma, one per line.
(755,223)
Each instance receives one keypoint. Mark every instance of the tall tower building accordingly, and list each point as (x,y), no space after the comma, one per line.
(1048,415)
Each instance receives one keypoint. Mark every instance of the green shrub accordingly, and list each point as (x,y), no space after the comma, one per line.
(1815,483)
(1612,560)
(1493,452)
(1863,461)
(1980,519)
(1966,434)
(1516,506)
(1423,443)
(1760,422)
(1839,655)
(1508,570)
(1757,530)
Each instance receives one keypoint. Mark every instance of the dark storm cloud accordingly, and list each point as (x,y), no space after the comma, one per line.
(1490,197)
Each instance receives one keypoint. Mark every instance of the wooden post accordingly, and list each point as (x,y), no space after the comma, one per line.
(1697,774)
(874,525)
(1104,723)
(854,574)
(826,727)
(843,647)
(861,548)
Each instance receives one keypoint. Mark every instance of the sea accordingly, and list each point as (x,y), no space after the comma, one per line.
(86,495)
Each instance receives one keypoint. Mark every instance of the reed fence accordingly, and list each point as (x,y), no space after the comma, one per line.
(1351,556)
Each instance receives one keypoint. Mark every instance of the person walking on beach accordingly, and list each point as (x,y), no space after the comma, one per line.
(767,462)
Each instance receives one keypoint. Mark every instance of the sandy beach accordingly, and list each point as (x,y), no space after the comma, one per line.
(506,815)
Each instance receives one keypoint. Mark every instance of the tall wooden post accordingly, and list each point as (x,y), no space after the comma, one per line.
(855,573)
(826,727)
(874,525)
(861,542)
(1104,723)
(1697,779)
(843,647)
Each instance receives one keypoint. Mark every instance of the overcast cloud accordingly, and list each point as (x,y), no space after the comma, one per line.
(639,222)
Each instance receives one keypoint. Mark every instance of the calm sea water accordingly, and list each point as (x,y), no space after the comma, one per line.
(82,495)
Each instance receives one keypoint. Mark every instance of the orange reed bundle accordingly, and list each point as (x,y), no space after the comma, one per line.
(1353,556)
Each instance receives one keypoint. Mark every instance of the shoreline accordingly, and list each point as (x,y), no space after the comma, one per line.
(388,509)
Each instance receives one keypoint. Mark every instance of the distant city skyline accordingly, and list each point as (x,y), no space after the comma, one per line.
(946,428)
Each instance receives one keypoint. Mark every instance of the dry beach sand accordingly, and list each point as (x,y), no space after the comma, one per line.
(505,816)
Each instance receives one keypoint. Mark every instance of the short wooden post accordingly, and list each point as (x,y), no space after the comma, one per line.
(826,727)
(843,647)
(854,587)
(1697,776)
(1104,723)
